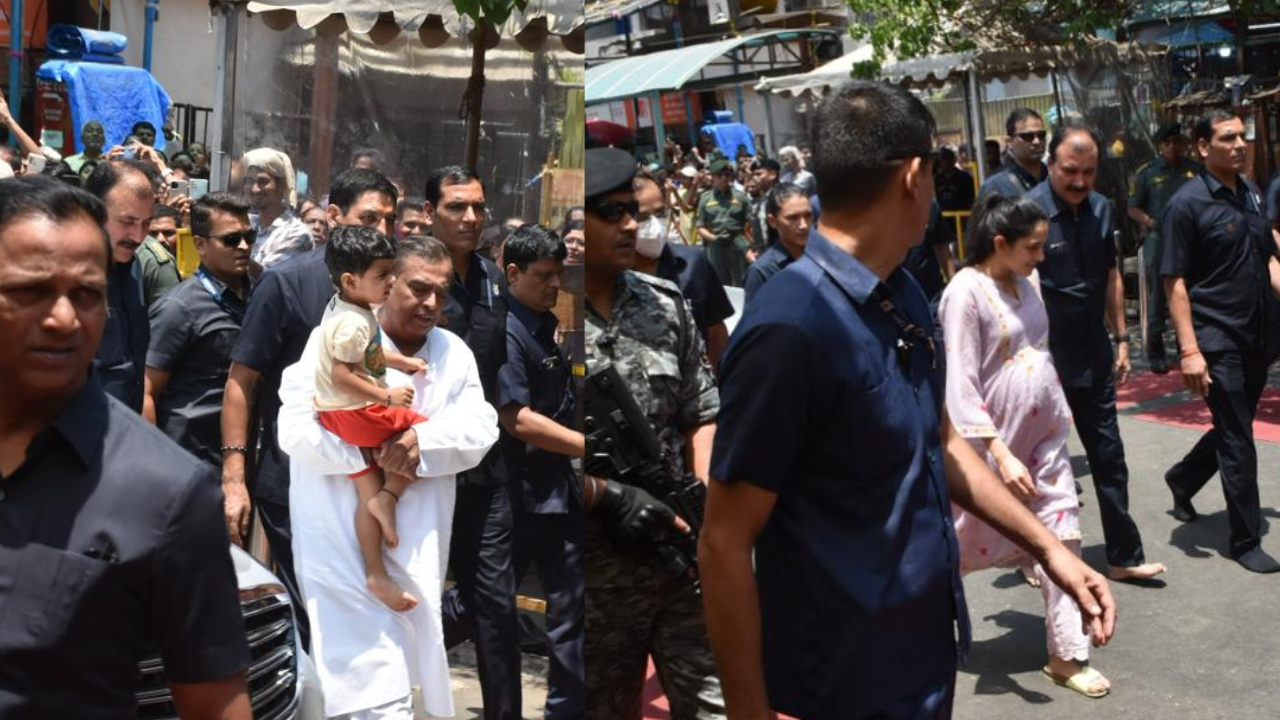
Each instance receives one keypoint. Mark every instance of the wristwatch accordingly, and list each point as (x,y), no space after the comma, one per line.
(1117,339)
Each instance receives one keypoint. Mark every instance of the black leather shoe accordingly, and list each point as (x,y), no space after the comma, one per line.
(1159,366)
(1258,561)
(1183,510)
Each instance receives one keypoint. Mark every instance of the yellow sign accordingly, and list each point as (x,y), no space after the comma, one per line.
(188,258)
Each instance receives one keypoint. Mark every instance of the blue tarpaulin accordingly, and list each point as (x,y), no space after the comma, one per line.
(68,42)
(114,95)
(729,136)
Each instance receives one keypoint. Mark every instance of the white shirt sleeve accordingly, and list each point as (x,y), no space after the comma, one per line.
(460,435)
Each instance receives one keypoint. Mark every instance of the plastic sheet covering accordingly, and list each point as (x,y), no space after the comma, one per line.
(322,100)
(114,95)
(729,136)
(69,41)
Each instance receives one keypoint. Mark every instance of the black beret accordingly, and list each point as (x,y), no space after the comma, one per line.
(607,170)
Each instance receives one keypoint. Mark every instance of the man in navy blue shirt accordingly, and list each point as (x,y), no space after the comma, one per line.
(482,606)
(123,186)
(1024,168)
(835,463)
(536,407)
(1083,294)
(287,304)
(111,539)
(1219,268)
(685,265)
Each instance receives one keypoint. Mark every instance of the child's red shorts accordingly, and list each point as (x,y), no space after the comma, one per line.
(370,426)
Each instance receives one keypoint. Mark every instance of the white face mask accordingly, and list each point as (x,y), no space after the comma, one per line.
(651,237)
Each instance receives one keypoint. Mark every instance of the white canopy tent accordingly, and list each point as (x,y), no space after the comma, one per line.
(818,81)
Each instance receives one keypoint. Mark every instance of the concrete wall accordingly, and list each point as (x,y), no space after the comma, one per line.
(788,125)
(182,55)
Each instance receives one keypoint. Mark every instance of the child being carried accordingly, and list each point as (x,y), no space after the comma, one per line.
(352,396)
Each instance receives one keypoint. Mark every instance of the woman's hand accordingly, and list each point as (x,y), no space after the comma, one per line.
(1017,478)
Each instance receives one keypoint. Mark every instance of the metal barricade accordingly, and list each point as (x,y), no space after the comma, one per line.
(959,217)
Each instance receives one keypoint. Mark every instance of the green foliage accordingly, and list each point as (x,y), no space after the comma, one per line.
(916,28)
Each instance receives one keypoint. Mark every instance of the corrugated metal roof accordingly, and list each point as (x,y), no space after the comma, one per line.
(670,69)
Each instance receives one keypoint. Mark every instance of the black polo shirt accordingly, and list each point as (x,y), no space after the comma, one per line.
(475,312)
(689,269)
(287,305)
(192,335)
(112,544)
(1012,181)
(1219,242)
(770,263)
(922,260)
(1078,258)
(122,355)
(537,376)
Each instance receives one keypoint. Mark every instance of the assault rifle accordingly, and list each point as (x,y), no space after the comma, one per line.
(622,446)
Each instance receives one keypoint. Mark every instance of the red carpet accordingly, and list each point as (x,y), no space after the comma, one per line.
(1193,414)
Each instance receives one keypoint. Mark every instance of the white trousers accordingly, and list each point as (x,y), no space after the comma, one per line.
(401,709)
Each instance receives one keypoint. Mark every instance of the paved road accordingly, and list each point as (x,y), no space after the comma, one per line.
(466,684)
(1205,646)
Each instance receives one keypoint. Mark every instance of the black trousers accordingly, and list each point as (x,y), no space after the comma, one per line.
(554,543)
(1094,410)
(483,605)
(1238,381)
(275,523)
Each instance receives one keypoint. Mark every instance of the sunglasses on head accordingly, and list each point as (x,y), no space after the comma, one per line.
(612,211)
(233,240)
(1031,136)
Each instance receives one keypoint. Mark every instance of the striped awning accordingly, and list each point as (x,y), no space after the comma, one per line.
(434,21)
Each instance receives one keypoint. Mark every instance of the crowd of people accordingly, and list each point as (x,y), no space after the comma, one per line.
(880,423)
(302,373)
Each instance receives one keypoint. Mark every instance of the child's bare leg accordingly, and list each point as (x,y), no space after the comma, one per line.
(382,506)
(369,537)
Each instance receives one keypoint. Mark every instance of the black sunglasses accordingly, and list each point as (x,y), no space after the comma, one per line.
(1032,136)
(233,240)
(613,211)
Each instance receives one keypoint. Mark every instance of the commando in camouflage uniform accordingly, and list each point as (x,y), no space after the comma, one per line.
(635,606)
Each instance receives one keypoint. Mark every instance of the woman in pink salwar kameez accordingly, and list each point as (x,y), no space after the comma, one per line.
(1004,396)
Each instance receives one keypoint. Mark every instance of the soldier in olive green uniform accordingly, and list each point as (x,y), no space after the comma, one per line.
(723,215)
(159,270)
(1149,193)
(636,608)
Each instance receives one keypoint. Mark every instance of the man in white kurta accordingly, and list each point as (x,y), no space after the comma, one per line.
(370,658)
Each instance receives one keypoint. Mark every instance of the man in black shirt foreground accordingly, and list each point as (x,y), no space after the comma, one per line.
(111,537)
(1219,264)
